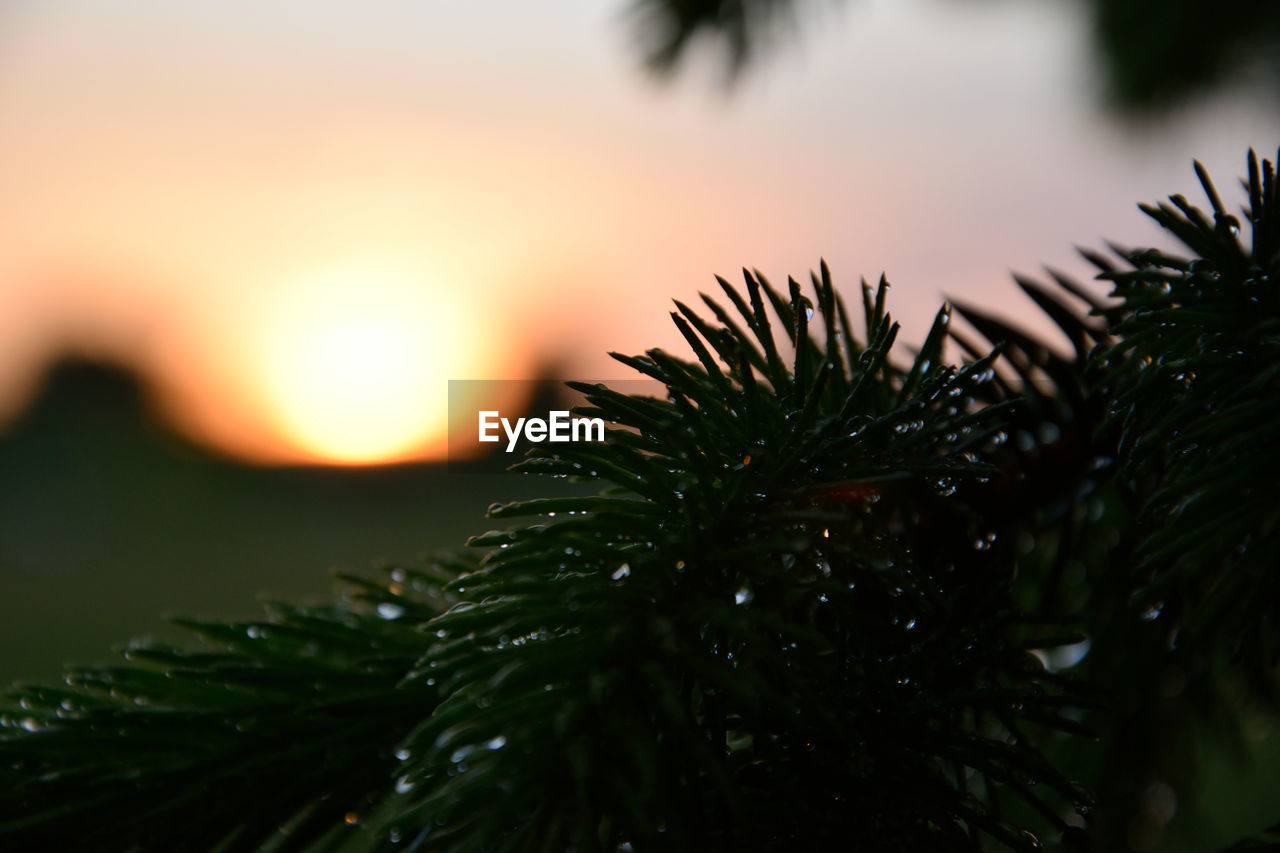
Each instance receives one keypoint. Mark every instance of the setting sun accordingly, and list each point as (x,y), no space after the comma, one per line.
(355,363)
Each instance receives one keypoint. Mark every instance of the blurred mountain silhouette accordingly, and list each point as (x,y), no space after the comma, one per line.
(108,520)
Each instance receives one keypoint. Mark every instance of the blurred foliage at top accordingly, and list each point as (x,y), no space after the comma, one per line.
(1154,52)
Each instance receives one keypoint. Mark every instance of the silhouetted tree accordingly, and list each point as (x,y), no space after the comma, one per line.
(824,600)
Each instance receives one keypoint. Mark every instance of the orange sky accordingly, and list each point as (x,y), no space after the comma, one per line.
(300,221)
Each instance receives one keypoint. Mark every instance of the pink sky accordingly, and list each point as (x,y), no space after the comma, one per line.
(209,189)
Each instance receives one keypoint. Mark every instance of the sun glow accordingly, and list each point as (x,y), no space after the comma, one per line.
(356,363)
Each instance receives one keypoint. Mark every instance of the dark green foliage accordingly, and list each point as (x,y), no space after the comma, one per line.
(1154,53)
(290,721)
(1158,51)
(783,629)
(1193,385)
(1172,531)
(823,600)
(1269,842)
(669,27)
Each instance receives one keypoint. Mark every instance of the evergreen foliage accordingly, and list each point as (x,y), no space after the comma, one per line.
(1153,53)
(826,599)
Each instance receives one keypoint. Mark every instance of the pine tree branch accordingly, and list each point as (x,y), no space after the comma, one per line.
(802,612)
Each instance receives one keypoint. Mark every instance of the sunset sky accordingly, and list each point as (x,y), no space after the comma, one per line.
(299,220)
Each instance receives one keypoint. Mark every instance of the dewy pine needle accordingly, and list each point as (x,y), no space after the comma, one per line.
(826,599)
